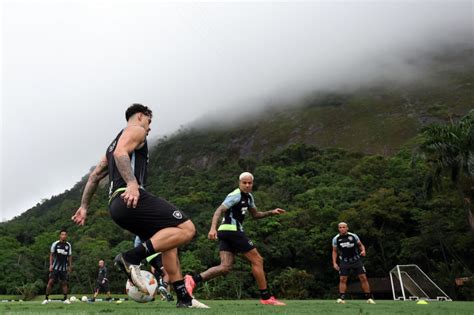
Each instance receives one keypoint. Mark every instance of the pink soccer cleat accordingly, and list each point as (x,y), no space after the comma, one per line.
(272,301)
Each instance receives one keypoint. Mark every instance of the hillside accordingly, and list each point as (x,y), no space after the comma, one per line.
(380,119)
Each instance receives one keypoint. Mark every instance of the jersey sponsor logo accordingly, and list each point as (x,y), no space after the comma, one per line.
(177,214)
(244,210)
(347,245)
(61,251)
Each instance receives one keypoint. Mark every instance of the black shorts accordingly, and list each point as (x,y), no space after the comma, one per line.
(102,287)
(234,241)
(151,215)
(346,268)
(58,275)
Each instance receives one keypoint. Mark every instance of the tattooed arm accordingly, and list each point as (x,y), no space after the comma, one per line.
(220,211)
(95,177)
(259,215)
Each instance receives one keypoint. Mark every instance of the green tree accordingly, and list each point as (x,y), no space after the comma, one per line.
(449,149)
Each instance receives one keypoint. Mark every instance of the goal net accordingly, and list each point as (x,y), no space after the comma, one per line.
(409,282)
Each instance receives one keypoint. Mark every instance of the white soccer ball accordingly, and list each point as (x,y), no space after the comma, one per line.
(84,299)
(73,299)
(138,296)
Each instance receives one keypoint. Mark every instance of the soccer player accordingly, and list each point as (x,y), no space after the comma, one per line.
(349,248)
(233,240)
(102,281)
(161,224)
(60,263)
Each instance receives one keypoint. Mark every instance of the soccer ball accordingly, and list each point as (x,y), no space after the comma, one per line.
(138,296)
(84,299)
(73,299)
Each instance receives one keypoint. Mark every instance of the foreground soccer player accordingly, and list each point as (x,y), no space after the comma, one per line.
(161,224)
(60,264)
(348,244)
(233,240)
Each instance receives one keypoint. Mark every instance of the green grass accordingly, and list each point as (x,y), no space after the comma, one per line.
(240,307)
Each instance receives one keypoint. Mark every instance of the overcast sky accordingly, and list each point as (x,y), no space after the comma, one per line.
(71,68)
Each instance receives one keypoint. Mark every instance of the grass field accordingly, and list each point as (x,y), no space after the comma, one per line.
(239,307)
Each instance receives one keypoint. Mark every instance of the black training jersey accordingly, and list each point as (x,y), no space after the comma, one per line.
(102,274)
(237,204)
(138,161)
(61,251)
(347,247)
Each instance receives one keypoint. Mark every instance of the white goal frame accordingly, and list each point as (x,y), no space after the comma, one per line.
(396,274)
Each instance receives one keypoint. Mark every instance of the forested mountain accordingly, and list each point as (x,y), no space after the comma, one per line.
(350,156)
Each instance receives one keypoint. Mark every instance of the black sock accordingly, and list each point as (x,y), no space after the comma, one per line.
(46,297)
(65,297)
(181,292)
(197,279)
(368,295)
(342,296)
(136,255)
(264,294)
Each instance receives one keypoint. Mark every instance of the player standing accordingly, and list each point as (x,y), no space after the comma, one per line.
(348,247)
(60,264)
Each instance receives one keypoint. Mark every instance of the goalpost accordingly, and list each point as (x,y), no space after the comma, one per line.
(409,282)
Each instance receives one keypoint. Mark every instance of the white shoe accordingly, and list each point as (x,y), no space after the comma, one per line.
(45,302)
(66,301)
(341,301)
(196,304)
(137,279)
(370,301)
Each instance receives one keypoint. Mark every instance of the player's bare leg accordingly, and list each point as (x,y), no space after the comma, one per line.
(259,274)
(342,289)
(49,287)
(173,237)
(227,261)
(257,267)
(364,283)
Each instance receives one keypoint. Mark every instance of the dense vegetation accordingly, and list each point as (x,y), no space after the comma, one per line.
(376,181)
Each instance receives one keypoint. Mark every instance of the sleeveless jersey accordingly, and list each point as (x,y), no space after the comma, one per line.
(138,161)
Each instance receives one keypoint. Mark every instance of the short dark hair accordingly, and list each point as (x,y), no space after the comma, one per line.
(62,230)
(137,108)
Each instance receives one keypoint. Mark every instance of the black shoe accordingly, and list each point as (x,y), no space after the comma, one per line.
(121,264)
(132,271)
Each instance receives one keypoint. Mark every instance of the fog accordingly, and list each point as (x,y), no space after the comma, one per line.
(70,69)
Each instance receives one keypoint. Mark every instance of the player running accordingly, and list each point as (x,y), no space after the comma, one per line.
(60,263)
(233,240)
(350,249)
